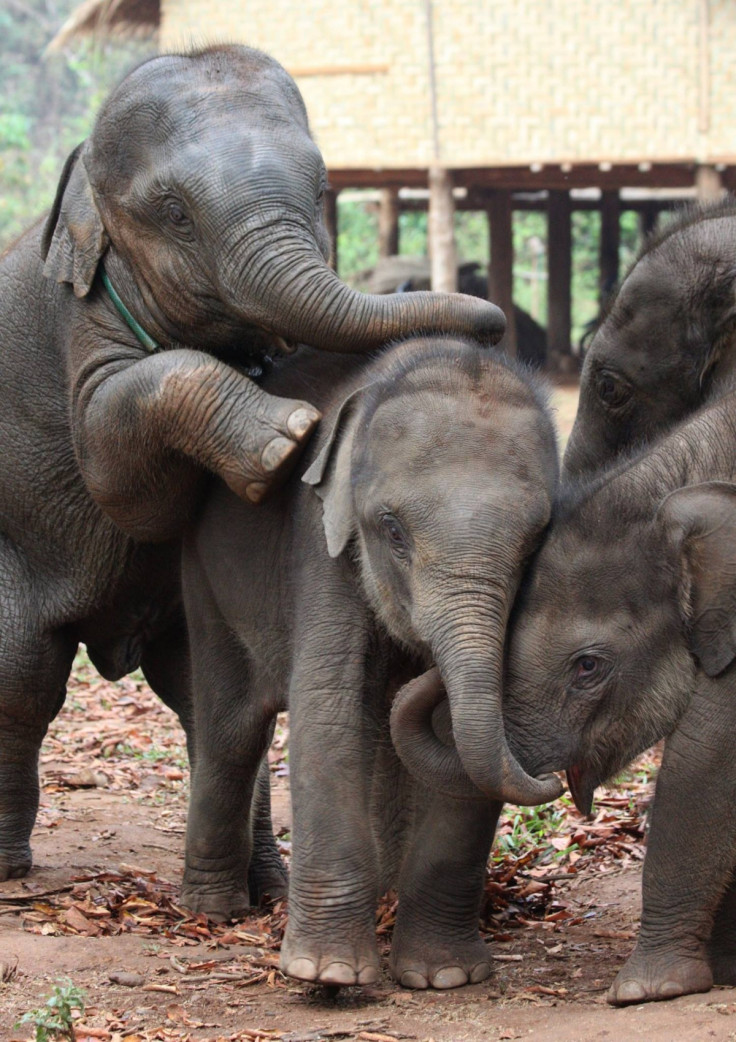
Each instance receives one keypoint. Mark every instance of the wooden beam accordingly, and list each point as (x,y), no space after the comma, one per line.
(388,222)
(609,244)
(441,231)
(330,211)
(518,178)
(501,264)
(559,272)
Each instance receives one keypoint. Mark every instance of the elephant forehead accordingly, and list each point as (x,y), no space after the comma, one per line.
(435,425)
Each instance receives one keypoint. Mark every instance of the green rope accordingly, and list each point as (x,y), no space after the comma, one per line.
(146,341)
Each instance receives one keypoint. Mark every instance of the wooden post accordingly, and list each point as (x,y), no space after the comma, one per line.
(708,184)
(648,217)
(388,222)
(441,230)
(501,263)
(330,204)
(559,272)
(609,244)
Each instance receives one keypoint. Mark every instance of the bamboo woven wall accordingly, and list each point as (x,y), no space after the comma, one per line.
(518,81)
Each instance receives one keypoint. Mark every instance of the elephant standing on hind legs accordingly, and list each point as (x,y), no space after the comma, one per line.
(430,485)
(186,243)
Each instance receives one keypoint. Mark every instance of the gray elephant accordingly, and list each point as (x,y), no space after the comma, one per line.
(625,633)
(430,485)
(666,343)
(185,243)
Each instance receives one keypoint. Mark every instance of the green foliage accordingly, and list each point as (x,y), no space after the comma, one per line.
(47,105)
(53,1020)
(526,828)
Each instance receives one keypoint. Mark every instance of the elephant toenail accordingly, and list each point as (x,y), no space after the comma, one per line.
(301,421)
(256,491)
(302,969)
(368,975)
(670,989)
(480,972)
(450,977)
(338,973)
(414,979)
(628,991)
(276,452)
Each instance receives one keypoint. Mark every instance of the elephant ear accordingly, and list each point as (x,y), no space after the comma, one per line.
(702,523)
(75,237)
(331,476)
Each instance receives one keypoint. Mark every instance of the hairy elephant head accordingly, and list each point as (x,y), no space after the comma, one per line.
(612,629)
(203,189)
(667,337)
(439,472)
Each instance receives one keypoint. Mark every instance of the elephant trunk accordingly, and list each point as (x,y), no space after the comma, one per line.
(289,289)
(469,657)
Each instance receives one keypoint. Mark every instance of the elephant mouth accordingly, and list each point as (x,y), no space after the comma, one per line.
(582,787)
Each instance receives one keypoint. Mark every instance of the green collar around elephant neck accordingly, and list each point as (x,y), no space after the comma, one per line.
(144,339)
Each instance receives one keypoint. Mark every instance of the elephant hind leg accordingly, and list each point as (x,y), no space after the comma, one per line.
(34,671)
(436,942)
(722,943)
(267,875)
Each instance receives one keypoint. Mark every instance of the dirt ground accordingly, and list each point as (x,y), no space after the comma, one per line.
(99,909)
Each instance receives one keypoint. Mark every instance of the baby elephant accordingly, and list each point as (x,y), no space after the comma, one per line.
(430,484)
(625,633)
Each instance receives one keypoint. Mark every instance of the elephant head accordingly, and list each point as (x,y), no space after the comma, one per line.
(203,189)
(438,476)
(666,340)
(623,606)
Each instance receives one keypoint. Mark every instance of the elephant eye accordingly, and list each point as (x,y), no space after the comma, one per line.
(612,391)
(395,535)
(176,214)
(588,670)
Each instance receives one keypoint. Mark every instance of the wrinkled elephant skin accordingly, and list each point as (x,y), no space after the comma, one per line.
(666,343)
(198,197)
(430,484)
(624,634)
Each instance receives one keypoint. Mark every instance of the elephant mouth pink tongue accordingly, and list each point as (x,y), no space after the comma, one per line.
(582,788)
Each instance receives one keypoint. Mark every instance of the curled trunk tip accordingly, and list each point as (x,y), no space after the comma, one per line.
(439,766)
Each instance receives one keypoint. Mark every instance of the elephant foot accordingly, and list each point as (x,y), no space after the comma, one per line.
(652,978)
(273,442)
(268,880)
(15,864)
(435,962)
(329,962)
(220,904)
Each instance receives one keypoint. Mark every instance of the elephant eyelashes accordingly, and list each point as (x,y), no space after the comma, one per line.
(395,535)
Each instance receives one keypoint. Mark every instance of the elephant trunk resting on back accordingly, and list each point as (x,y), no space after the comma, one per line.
(625,633)
(434,474)
(202,189)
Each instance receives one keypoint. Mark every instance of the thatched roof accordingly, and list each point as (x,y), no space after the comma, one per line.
(124,19)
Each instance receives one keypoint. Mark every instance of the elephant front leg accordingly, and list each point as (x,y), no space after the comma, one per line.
(436,942)
(144,430)
(690,856)
(330,935)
